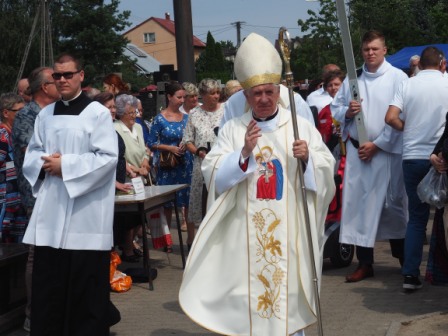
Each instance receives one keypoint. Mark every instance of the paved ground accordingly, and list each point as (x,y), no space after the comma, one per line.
(373,307)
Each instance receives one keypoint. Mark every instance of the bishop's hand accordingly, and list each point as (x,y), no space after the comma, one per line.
(250,138)
(300,150)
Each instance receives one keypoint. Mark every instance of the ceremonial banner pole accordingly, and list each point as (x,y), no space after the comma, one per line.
(284,48)
(351,68)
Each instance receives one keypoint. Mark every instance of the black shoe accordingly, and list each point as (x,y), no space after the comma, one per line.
(114,315)
(411,282)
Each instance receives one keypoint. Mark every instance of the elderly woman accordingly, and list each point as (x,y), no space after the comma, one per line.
(199,137)
(132,135)
(191,97)
(165,137)
(108,100)
(13,214)
(137,163)
(232,86)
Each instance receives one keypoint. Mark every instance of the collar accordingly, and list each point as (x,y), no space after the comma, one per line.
(381,70)
(265,119)
(71,101)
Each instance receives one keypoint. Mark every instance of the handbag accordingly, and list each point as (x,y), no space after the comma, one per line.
(433,188)
(168,160)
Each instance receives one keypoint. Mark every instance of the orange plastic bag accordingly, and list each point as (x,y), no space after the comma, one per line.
(119,282)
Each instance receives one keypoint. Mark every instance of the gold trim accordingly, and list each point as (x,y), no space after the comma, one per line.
(269,78)
(269,253)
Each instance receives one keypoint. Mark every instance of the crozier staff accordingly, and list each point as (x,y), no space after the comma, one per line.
(267,289)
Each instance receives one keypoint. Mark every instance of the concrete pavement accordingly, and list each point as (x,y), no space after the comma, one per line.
(376,306)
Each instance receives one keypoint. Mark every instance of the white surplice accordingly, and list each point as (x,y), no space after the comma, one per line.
(249,271)
(374,203)
(74,212)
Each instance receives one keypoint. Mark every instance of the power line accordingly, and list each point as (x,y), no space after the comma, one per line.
(268,27)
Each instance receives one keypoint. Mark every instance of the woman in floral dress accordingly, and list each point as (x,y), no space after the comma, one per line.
(166,135)
(200,135)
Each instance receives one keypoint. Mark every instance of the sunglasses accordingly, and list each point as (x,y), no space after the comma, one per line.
(66,75)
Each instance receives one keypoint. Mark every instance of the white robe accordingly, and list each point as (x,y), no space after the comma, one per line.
(226,279)
(74,212)
(374,202)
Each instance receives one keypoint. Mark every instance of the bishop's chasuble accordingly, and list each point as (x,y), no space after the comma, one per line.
(249,270)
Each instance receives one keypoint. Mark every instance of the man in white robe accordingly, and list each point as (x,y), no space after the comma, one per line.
(374,199)
(70,163)
(249,270)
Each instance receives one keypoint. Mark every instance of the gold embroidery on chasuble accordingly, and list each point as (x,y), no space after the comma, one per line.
(268,238)
(269,251)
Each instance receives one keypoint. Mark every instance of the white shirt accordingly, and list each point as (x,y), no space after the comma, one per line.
(319,98)
(76,211)
(423,101)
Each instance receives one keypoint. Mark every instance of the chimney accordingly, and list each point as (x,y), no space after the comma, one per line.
(167,16)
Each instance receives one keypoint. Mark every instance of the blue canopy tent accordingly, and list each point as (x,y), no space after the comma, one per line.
(401,58)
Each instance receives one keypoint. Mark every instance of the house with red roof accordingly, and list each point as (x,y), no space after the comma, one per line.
(157,37)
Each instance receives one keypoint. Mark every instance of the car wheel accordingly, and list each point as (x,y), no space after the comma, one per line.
(342,255)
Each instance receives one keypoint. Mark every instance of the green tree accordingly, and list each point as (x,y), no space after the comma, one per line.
(403,22)
(211,62)
(15,27)
(91,29)
(383,16)
(88,27)
(438,22)
(321,43)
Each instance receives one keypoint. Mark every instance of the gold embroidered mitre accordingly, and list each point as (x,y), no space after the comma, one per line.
(257,62)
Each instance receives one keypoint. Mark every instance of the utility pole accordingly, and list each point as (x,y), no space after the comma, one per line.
(42,13)
(238,32)
(184,41)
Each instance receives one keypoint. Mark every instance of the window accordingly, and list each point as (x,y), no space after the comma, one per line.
(149,37)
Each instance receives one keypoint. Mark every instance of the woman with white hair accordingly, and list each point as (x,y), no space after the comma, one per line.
(137,160)
(199,137)
(132,134)
(191,97)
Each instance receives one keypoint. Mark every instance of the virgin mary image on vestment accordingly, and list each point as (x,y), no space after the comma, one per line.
(270,171)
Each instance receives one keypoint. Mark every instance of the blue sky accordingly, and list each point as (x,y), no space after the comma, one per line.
(261,16)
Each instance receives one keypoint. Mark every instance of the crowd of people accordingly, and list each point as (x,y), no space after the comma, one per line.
(235,149)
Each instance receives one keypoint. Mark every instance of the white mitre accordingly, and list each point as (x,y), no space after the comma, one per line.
(257,62)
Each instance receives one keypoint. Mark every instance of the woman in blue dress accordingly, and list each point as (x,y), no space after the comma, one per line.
(166,135)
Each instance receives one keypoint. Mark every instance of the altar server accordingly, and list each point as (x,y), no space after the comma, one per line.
(70,163)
